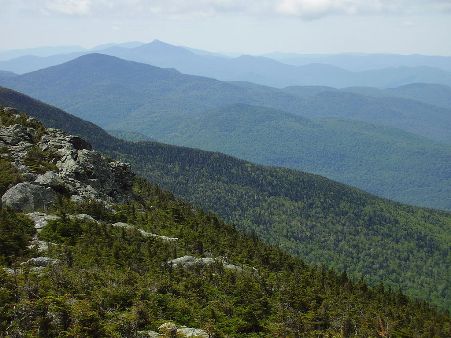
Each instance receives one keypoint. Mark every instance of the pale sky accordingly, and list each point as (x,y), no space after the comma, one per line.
(240,26)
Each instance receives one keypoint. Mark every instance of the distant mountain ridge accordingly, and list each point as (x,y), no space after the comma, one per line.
(144,88)
(257,69)
(363,62)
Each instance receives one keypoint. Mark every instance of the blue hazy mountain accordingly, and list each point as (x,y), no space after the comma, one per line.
(362,62)
(38,51)
(94,84)
(257,69)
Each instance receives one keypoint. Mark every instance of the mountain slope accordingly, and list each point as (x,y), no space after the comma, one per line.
(131,281)
(322,221)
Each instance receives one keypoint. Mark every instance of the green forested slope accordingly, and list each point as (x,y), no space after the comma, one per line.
(315,218)
(384,161)
(119,284)
(123,95)
(106,281)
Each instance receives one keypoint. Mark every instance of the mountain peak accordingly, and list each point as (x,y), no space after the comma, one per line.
(158,46)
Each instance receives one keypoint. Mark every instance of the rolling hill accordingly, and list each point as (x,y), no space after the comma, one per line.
(433,94)
(363,62)
(384,161)
(317,219)
(389,110)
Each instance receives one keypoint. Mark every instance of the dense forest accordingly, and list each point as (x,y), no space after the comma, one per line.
(113,281)
(385,161)
(316,219)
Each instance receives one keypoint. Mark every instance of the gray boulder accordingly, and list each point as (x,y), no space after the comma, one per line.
(192,332)
(41,219)
(144,233)
(41,261)
(50,179)
(28,197)
(83,217)
(189,261)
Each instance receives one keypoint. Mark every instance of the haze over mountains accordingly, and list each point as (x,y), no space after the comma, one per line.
(308,128)
(260,69)
(226,168)
(361,62)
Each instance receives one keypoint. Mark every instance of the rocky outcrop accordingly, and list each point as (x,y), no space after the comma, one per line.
(190,261)
(41,219)
(41,262)
(15,135)
(75,170)
(27,197)
(191,332)
(170,329)
(37,265)
(144,233)
(40,246)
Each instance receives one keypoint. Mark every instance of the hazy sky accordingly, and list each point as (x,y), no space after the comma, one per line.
(245,26)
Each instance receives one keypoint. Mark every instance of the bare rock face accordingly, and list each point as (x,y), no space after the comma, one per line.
(41,261)
(190,261)
(15,134)
(169,329)
(86,173)
(41,219)
(50,179)
(79,171)
(27,197)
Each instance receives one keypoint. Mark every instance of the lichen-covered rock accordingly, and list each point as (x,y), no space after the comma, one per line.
(144,233)
(15,134)
(191,332)
(28,197)
(40,246)
(189,261)
(41,219)
(122,225)
(41,262)
(50,179)
(83,217)
(168,329)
